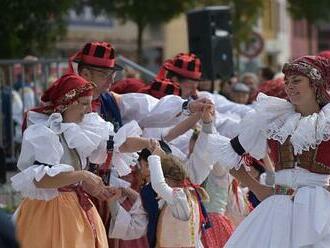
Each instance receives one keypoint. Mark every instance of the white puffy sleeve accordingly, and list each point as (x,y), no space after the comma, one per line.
(227,124)
(211,147)
(174,197)
(41,154)
(122,162)
(223,105)
(130,224)
(149,111)
(197,167)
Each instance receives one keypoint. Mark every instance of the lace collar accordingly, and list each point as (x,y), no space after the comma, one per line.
(85,136)
(282,122)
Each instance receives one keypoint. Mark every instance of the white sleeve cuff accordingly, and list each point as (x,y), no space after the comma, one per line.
(119,223)
(216,148)
(131,129)
(24,181)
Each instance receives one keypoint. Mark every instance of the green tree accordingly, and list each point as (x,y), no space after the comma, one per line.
(31,26)
(313,12)
(245,14)
(141,12)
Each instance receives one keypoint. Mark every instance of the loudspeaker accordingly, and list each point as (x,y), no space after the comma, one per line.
(210,38)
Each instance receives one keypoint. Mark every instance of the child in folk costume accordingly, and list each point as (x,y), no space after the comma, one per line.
(181,216)
(216,185)
(143,216)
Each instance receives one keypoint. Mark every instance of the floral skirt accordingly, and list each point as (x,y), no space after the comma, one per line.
(221,230)
(60,222)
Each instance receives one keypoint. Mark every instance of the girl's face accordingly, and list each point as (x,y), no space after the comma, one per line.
(299,90)
(76,111)
(145,170)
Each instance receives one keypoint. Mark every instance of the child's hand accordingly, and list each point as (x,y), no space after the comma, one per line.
(152,143)
(208,113)
(155,148)
(198,105)
(114,193)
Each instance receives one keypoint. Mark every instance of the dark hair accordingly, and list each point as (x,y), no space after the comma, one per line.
(145,153)
(258,166)
(82,66)
(171,74)
(267,73)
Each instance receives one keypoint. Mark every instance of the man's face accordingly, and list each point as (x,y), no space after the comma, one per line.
(240,97)
(102,77)
(188,88)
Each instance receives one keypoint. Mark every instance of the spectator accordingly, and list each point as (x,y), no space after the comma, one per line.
(240,93)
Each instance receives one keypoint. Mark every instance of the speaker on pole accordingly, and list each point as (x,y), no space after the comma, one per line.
(210,38)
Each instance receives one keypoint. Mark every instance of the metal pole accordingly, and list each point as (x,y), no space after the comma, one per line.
(137,67)
(12,142)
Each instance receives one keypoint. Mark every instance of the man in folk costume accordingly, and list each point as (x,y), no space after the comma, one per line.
(96,63)
(178,76)
(181,76)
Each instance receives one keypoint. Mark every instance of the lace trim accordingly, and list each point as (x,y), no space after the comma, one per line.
(305,132)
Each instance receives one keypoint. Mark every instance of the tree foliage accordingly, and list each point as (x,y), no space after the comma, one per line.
(313,12)
(141,12)
(31,26)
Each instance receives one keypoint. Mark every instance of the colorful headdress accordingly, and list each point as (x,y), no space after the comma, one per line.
(316,68)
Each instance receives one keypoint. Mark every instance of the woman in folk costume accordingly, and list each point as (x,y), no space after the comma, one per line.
(296,212)
(59,138)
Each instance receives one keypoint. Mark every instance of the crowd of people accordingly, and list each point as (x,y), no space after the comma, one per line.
(129,164)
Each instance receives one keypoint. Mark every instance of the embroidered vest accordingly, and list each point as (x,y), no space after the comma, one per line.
(110,110)
(172,232)
(315,160)
(70,156)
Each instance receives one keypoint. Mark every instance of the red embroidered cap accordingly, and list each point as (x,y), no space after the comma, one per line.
(66,90)
(316,68)
(62,93)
